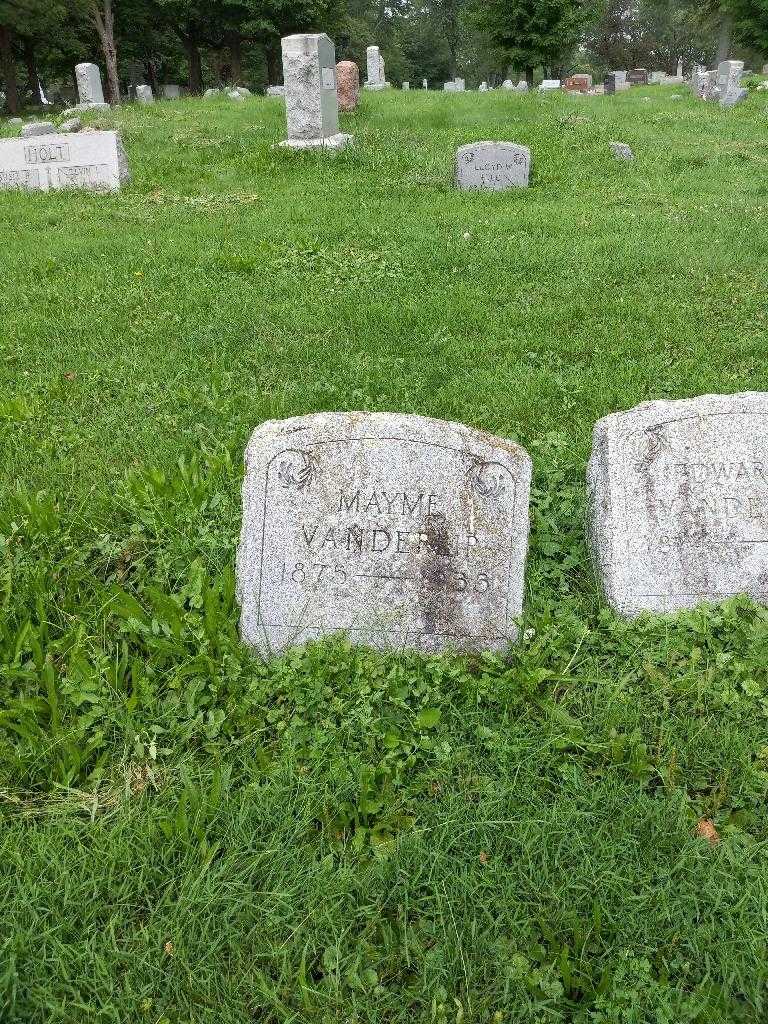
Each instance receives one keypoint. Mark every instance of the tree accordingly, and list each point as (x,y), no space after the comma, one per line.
(533,32)
(25,26)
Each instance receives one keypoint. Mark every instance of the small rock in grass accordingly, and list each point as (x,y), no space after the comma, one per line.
(621,151)
(73,125)
(210,93)
(15,120)
(38,128)
(705,829)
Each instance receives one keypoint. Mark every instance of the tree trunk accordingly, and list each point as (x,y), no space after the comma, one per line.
(529,77)
(149,67)
(33,79)
(274,67)
(235,47)
(195,66)
(724,38)
(104,23)
(8,65)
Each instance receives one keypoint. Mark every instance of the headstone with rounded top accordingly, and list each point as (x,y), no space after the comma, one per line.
(348,85)
(144,94)
(397,530)
(679,502)
(89,87)
(495,166)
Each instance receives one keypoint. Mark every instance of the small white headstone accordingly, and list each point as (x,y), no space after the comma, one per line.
(679,502)
(522,86)
(492,165)
(276,90)
(399,530)
(507,84)
(483,87)
(311,100)
(424,83)
(89,83)
(144,94)
(89,160)
(406,86)
(549,85)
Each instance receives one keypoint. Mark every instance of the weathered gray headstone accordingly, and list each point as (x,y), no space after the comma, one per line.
(492,165)
(311,100)
(38,128)
(93,160)
(449,86)
(621,151)
(733,97)
(210,94)
(522,86)
(171,91)
(507,84)
(89,88)
(144,94)
(679,502)
(549,85)
(483,87)
(399,530)
(460,84)
(375,68)
(729,74)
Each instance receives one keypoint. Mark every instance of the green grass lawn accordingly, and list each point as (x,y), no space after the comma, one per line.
(189,835)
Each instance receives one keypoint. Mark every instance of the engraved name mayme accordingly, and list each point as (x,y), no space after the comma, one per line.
(431,534)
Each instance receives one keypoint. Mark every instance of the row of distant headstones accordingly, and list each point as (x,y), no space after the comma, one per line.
(404,530)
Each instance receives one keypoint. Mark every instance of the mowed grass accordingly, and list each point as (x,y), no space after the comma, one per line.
(190,835)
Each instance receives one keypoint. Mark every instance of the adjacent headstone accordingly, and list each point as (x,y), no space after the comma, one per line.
(89,88)
(679,71)
(348,85)
(375,67)
(729,74)
(483,87)
(38,128)
(449,87)
(578,83)
(638,76)
(460,84)
(144,94)
(620,80)
(424,83)
(732,98)
(656,77)
(406,86)
(522,86)
(311,102)
(397,530)
(507,84)
(492,165)
(549,85)
(210,94)
(621,151)
(277,91)
(94,161)
(679,502)
(172,91)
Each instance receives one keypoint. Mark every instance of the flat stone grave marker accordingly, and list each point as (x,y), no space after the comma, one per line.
(679,502)
(638,76)
(401,531)
(492,165)
(94,161)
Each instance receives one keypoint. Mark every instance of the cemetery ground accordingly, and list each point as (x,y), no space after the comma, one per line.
(192,835)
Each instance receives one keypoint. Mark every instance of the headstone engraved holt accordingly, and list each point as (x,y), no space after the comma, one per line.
(399,530)
(94,161)
(679,502)
(492,165)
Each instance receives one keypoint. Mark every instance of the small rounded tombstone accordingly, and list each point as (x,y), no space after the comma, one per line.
(347,85)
